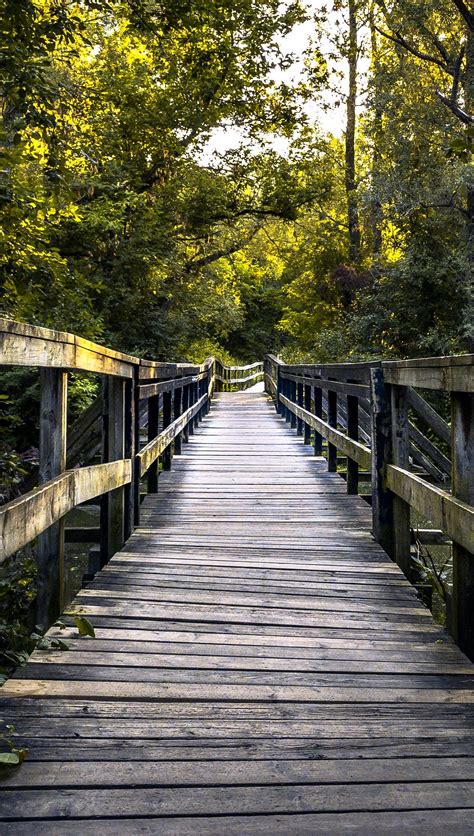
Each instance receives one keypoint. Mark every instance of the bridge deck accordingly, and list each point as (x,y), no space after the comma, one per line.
(259,666)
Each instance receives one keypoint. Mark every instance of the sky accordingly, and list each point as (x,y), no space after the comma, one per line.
(331,121)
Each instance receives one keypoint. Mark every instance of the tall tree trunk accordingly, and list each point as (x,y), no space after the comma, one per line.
(376,213)
(352,207)
(469,107)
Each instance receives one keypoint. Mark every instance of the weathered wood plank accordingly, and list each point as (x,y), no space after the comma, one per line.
(351,448)
(455,373)
(454,517)
(52,462)
(155,448)
(257,655)
(22,519)
(28,345)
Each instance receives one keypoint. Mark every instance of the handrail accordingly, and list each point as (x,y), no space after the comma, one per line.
(173,397)
(373,415)
(241,380)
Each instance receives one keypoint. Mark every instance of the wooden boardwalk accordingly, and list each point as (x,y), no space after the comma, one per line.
(259,666)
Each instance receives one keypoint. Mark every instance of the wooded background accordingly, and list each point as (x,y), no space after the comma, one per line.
(120,224)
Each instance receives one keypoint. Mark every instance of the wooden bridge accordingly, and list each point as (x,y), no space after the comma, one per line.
(261,663)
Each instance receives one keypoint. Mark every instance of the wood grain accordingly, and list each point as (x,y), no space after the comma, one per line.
(260,664)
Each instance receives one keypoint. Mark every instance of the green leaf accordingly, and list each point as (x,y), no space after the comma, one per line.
(84,626)
(21,753)
(59,644)
(9,758)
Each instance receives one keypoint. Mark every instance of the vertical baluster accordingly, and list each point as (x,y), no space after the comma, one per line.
(299,398)
(382,499)
(287,393)
(318,411)
(112,503)
(152,432)
(462,607)
(167,456)
(177,401)
(279,391)
(136,463)
(192,401)
(52,462)
(307,406)
(400,457)
(185,407)
(352,475)
(195,399)
(131,405)
(332,421)
(292,397)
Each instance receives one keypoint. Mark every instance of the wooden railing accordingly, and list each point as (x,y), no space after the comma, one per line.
(238,377)
(391,437)
(167,400)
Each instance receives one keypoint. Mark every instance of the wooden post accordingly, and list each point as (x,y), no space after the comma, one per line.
(52,462)
(112,503)
(299,421)
(400,457)
(332,421)
(462,606)
(318,411)
(279,391)
(191,403)
(153,430)
(195,399)
(287,394)
(382,499)
(178,397)
(136,463)
(185,407)
(292,397)
(131,405)
(352,432)
(208,390)
(167,456)
(307,406)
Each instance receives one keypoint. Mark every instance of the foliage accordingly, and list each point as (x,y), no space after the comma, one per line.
(127,216)
(17,593)
(15,754)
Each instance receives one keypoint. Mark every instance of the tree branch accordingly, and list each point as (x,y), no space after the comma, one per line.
(454,108)
(398,39)
(193,266)
(465,13)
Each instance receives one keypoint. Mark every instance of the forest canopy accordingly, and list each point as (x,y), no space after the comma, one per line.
(182,178)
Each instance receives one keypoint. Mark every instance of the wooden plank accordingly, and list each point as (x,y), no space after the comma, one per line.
(91,803)
(235,773)
(429,415)
(454,517)
(27,345)
(436,822)
(22,519)
(455,373)
(355,389)
(346,445)
(148,390)
(158,691)
(155,448)
(257,655)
